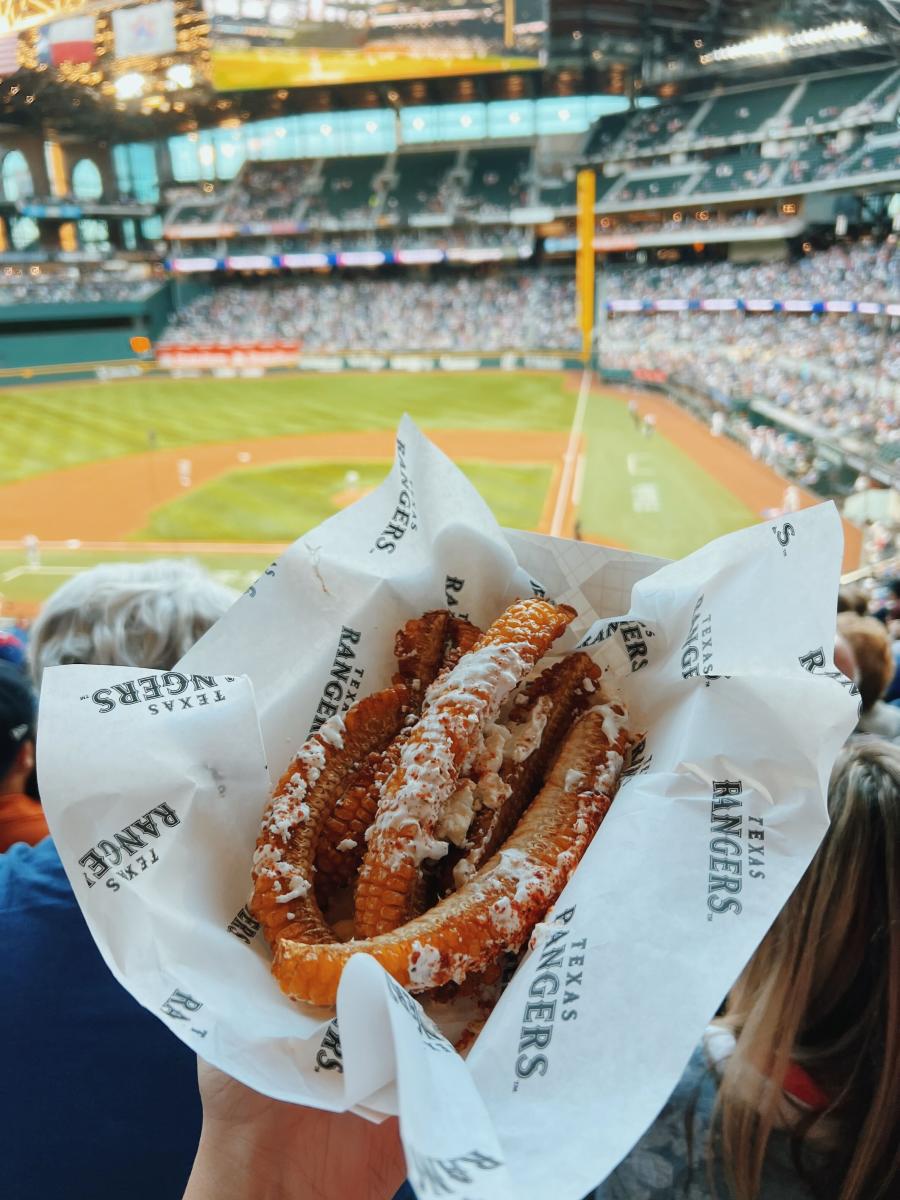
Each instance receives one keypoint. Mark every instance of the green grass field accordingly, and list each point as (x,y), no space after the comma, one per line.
(642,493)
(275,502)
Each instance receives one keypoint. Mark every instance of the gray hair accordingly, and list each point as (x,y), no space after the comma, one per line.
(141,614)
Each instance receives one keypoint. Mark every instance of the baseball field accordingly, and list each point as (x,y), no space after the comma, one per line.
(230,470)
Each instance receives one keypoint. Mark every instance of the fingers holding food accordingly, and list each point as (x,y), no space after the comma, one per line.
(448,735)
(496,910)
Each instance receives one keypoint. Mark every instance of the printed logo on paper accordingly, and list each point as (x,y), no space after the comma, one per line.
(128,852)
(343,681)
(635,637)
(816,663)
(453,587)
(168,691)
(431,1176)
(428,1031)
(553,995)
(697,647)
(737,848)
(403,518)
(244,926)
(181,1006)
(329,1056)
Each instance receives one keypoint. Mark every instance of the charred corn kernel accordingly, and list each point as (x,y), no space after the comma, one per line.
(457,708)
(498,908)
(283,871)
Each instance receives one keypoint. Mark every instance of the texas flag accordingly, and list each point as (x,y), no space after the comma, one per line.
(69,41)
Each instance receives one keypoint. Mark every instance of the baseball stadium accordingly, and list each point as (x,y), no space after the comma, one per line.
(638,279)
(584,884)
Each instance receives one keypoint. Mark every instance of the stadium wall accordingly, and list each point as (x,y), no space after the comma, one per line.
(40,335)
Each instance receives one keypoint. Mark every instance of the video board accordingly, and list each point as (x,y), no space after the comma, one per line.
(298,43)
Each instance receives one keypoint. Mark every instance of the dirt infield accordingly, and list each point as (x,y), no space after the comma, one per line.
(754,483)
(106,501)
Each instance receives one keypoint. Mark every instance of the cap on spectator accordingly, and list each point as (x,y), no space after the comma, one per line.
(12,650)
(16,714)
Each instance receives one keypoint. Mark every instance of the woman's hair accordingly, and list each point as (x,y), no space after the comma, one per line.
(852,599)
(143,614)
(872,650)
(823,992)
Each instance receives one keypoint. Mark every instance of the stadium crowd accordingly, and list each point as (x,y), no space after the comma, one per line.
(56,288)
(496,313)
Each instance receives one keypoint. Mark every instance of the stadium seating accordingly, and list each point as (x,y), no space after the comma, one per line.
(655,188)
(269,191)
(497,178)
(736,172)
(742,112)
(348,188)
(826,98)
(193,213)
(420,179)
(648,128)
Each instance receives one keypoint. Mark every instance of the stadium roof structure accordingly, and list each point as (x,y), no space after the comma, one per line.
(596,46)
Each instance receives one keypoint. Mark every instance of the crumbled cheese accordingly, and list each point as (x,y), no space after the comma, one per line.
(346,844)
(491,791)
(588,685)
(504,917)
(424,965)
(332,731)
(462,873)
(573,781)
(454,822)
(525,737)
(299,888)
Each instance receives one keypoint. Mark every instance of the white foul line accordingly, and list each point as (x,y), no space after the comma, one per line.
(570,460)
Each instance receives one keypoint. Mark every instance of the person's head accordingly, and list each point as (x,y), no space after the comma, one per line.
(852,599)
(871,648)
(823,991)
(144,614)
(12,651)
(16,730)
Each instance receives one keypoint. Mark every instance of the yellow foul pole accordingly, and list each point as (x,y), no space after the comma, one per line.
(586,197)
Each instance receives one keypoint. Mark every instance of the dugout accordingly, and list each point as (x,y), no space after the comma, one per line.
(33,336)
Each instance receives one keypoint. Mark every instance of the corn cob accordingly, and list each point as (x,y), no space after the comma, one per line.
(498,908)
(457,708)
(283,900)
(544,709)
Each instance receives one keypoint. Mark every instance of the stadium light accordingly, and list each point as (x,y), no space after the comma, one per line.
(130,86)
(777,45)
(180,75)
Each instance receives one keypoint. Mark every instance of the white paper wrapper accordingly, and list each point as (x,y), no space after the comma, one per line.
(154,784)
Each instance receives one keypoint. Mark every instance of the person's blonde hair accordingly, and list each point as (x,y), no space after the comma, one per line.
(823,991)
(871,646)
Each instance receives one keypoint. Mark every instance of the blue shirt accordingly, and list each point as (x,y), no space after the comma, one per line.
(99,1099)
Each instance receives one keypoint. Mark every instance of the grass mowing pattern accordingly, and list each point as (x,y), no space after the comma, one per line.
(645,493)
(272,504)
(49,427)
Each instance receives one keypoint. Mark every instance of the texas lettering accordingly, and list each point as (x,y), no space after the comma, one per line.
(129,851)
(169,691)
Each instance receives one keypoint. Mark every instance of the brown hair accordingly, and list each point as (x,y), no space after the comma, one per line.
(852,599)
(872,651)
(823,991)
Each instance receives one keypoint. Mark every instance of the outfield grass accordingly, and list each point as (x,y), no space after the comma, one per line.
(280,503)
(48,427)
(641,493)
(646,494)
(20,584)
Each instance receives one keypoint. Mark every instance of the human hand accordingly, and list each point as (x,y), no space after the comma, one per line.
(255,1148)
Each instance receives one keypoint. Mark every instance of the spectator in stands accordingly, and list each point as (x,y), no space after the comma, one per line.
(853,599)
(875,662)
(105,1097)
(21,817)
(796,1087)
(12,651)
(144,614)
